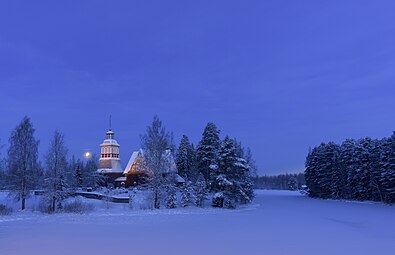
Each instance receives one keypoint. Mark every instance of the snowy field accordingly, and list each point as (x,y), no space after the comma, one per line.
(280,222)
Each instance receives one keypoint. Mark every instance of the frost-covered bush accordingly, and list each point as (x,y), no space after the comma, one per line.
(77,206)
(171,197)
(229,203)
(5,210)
(44,205)
(218,200)
(187,194)
(141,200)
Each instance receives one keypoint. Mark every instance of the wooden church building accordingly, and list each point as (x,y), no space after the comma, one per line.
(134,172)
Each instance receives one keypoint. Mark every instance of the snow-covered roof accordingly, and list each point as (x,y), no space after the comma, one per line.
(110,142)
(179,179)
(131,161)
(140,153)
(121,179)
(112,165)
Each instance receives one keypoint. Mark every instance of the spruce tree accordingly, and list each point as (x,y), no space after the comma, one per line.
(292,183)
(171,191)
(78,175)
(388,169)
(253,168)
(91,178)
(360,177)
(243,181)
(207,153)
(187,194)
(200,190)
(314,172)
(185,159)
(310,172)
(347,163)
(334,177)
(375,171)
(233,179)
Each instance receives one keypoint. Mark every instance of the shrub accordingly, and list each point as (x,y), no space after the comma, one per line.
(218,200)
(77,206)
(44,205)
(5,210)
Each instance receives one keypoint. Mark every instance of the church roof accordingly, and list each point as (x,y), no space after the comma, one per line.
(140,153)
(110,142)
(110,165)
(131,161)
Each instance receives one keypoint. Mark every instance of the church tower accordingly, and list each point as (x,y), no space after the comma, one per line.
(109,162)
(109,149)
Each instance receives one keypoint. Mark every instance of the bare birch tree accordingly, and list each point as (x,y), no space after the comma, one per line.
(154,143)
(22,162)
(56,170)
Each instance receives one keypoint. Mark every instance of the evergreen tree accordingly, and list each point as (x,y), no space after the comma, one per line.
(246,154)
(187,194)
(334,177)
(2,169)
(78,175)
(91,178)
(388,169)
(185,159)
(207,153)
(243,181)
(360,177)
(347,152)
(200,190)
(292,183)
(233,179)
(23,168)
(312,171)
(226,172)
(253,168)
(375,170)
(171,195)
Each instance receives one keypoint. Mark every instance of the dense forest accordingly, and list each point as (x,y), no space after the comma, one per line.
(361,169)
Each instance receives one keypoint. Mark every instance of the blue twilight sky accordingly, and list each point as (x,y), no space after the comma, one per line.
(281,76)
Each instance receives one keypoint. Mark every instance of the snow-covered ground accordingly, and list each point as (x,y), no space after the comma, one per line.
(280,222)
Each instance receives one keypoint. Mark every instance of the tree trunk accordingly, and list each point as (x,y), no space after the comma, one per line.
(156,200)
(53,204)
(23,203)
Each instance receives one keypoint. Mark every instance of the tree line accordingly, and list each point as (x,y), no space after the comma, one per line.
(280,182)
(216,168)
(362,169)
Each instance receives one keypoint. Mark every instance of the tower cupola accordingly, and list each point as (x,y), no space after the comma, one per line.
(109,161)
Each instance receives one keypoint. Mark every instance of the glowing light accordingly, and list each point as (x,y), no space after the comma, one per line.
(87,154)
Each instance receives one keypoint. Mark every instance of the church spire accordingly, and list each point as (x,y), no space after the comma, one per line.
(110,133)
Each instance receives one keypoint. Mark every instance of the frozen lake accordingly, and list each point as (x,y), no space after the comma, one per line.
(280,222)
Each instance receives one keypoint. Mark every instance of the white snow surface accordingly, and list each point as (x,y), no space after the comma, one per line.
(279,222)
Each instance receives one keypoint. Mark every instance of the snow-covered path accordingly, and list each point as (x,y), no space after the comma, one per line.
(281,222)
